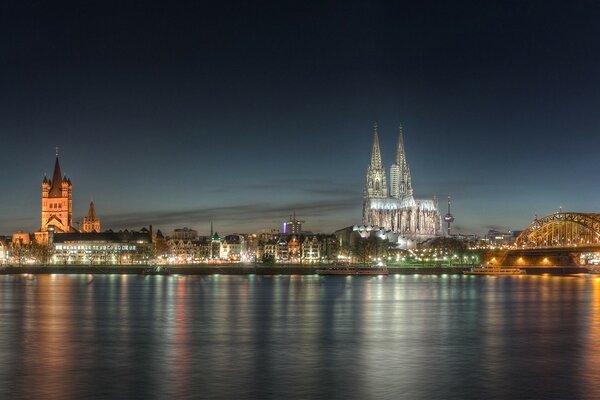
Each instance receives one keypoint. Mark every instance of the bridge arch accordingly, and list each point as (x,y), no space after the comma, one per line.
(562,229)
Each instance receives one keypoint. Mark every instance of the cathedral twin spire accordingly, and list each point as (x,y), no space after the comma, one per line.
(375,151)
(376,185)
(400,182)
(401,185)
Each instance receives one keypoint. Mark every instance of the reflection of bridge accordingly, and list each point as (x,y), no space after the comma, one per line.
(558,239)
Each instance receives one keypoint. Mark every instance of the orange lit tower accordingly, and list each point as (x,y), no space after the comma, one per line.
(91,222)
(57,202)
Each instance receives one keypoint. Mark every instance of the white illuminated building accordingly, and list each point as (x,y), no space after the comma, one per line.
(3,252)
(402,217)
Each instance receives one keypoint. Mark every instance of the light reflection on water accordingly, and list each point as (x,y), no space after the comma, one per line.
(85,336)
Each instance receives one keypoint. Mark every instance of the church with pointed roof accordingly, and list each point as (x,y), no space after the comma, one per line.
(397,211)
(57,207)
(91,222)
(57,202)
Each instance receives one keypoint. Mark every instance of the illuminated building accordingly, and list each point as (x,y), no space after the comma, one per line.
(91,222)
(311,250)
(498,238)
(124,247)
(57,204)
(293,226)
(183,245)
(234,247)
(182,250)
(293,246)
(267,248)
(399,212)
(216,246)
(448,218)
(184,234)
(282,254)
(304,249)
(21,239)
(4,253)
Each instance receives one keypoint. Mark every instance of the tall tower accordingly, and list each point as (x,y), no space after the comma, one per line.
(400,185)
(293,226)
(57,201)
(91,222)
(449,218)
(376,184)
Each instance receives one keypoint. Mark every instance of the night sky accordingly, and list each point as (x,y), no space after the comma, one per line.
(179,114)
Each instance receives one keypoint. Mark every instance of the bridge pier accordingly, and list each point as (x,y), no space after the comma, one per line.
(527,259)
(542,257)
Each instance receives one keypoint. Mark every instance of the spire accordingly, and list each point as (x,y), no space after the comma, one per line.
(91,215)
(211,229)
(56,190)
(399,172)
(375,152)
(376,184)
(400,155)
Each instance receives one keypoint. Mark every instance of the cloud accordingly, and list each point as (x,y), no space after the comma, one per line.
(321,187)
(452,187)
(241,217)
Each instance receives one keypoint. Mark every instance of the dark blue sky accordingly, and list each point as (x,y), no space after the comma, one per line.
(176,114)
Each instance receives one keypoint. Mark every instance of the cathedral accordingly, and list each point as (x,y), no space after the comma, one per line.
(396,211)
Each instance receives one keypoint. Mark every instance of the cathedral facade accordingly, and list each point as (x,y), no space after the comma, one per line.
(396,211)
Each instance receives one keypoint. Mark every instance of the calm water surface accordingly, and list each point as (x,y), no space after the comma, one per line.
(292,337)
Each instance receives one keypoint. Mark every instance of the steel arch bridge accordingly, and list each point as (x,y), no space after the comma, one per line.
(562,229)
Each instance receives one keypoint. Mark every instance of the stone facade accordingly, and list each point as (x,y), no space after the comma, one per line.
(398,212)
(57,202)
(91,222)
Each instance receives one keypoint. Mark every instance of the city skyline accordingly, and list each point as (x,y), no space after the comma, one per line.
(242,115)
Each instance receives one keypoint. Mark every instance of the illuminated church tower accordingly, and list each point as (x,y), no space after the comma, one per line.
(57,202)
(376,185)
(400,185)
(91,222)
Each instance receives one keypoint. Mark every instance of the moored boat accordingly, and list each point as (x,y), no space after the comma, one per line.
(594,270)
(353,270)
(157,270)
(494,270)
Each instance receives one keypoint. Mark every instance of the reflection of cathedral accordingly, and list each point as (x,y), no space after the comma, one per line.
(399,212)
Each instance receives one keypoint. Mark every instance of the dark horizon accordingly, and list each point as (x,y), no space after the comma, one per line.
(178,114)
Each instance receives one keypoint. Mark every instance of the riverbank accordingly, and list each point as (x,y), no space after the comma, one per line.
(237,269)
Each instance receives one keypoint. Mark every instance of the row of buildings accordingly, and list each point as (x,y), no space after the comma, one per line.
(297,248)
(390,212)
(58,241)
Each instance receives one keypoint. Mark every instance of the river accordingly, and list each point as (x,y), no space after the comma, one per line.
(299,337)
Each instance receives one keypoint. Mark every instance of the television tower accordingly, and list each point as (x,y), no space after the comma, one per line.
(449,218)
